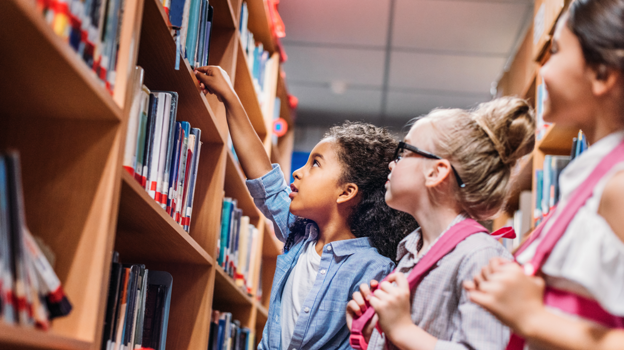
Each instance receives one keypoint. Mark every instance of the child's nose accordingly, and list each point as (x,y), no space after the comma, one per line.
(391,165)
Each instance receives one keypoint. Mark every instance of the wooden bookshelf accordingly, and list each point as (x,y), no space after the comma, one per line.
(523,79)
(70,132)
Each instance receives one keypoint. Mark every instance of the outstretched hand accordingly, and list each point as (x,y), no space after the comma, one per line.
(214,80)
(508,293)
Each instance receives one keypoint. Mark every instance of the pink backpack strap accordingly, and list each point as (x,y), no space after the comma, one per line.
(445,244)
(560,225)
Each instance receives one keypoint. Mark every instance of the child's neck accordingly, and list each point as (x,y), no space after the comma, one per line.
(433,222)
(332,231)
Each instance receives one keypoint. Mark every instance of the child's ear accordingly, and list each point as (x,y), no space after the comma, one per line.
(604,79)
(437,173)
(349,191)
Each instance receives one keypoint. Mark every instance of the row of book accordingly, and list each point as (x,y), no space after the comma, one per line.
(137,308)
(237,244)
(191,25)
(521,221)
(30,291)
(161,153)
(259,61)
(92,28)
(547,178)
(228,334)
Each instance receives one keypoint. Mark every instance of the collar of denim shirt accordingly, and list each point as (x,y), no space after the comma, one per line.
(340,248)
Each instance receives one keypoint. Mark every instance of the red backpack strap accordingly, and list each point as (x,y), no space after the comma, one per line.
(560,225)
(443,246)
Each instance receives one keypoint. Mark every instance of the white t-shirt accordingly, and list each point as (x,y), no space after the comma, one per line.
(298,285)
(588,259)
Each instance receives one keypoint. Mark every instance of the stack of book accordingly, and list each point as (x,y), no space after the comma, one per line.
(137,309)
(30,291)
(237,244)
(547,192)
(191,26)
(162,154)
(91,28)
(579,145)
(258,59)
(226,334)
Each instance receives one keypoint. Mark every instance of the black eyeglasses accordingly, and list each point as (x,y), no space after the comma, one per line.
(398,154)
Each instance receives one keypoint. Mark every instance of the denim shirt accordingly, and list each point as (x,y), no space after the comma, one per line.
(344,266)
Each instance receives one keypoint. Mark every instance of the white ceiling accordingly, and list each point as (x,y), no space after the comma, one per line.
(435,53)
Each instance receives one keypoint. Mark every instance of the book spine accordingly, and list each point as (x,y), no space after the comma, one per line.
(170,150)
(164,141)
(193,179)
(174,168)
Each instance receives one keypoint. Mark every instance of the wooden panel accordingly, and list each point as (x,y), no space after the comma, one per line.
(268,272)
(70,188)
(246,92)
(261,316)
(235,188)
(146,233)
(157,54)
(21,338)
(545,16)
(128,49)
(63,87)
(191,297)
(227,293)
(557,140)
(259,24)
(271,246)
(224,15)
(522,70)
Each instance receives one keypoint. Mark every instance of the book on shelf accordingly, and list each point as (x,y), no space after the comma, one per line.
(521,221)
(161,153)
(91,28)
(30,291)
(276,115)
(541,125)
(191,25)
(237,244)
(137,307)
(228,334)
(259,61)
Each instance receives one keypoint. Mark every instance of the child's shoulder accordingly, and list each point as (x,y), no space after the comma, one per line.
(482,246)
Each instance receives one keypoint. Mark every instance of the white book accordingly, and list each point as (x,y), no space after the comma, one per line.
(252,257)
(129,160)
(164,140)
(243,248)
(152,182)
(184,194)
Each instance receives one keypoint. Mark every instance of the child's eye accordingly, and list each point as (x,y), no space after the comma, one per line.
(554,49)
(315,163)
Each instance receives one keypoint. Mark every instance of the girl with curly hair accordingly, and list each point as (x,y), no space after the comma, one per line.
(337,229)
(453,168)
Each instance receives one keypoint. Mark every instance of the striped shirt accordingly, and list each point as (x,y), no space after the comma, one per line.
(440,305)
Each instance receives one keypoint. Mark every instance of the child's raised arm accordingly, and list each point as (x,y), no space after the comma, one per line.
(249,149)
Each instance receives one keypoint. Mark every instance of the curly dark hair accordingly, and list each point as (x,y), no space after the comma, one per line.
(365,151)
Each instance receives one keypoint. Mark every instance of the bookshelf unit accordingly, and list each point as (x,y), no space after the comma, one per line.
(523,79)
(70,132)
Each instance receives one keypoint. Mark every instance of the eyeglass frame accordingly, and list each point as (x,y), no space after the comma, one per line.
(402,146)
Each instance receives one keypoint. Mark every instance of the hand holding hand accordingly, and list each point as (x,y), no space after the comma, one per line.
(504,290)
(357,306)
(392,304)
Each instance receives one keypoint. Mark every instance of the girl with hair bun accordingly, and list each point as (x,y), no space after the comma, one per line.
(454,167)
(567,289)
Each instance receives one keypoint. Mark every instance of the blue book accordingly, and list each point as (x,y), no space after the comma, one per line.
(193,29)
(225,227)
(176,12)
(175,161)
(206,53)
(221,334)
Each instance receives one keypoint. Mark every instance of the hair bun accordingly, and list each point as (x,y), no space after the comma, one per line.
(509,122)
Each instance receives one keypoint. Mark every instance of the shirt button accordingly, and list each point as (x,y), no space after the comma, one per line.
(329,249)
(307,309)
(323,272)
